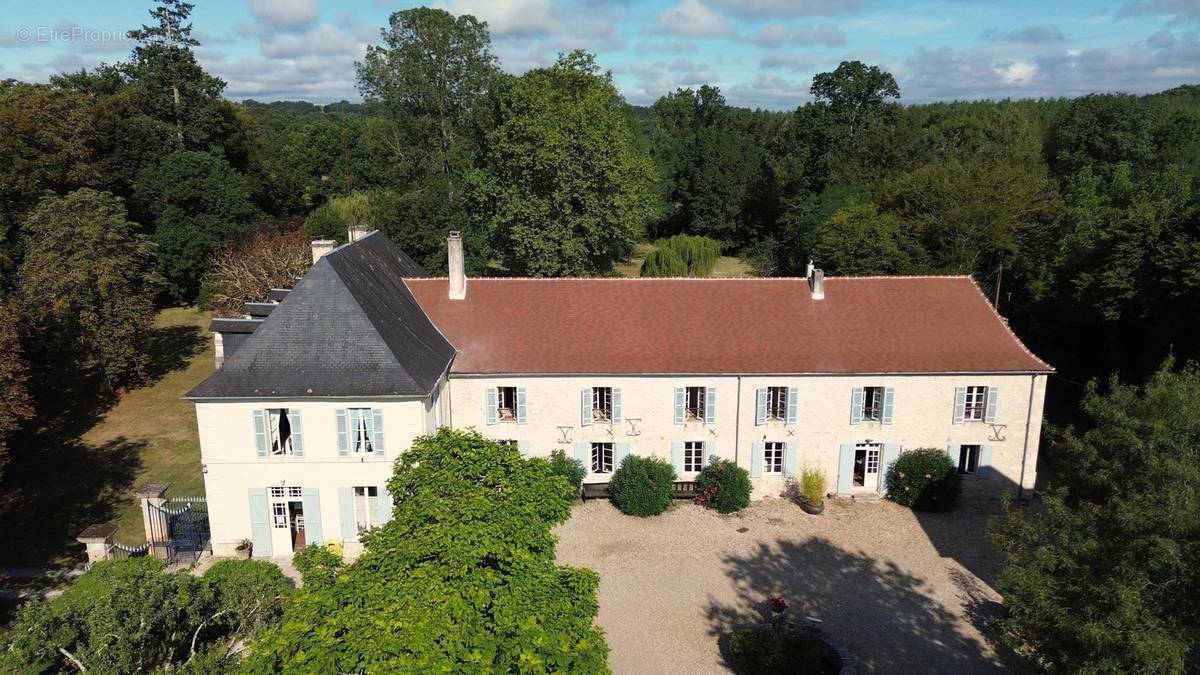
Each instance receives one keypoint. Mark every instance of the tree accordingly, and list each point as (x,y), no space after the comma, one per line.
(854,92)
(461,579)
(861,241)
(1104,578)
(246,269)
(197,201)
(1101,131)
(86,287)
(15,404)
(561,188)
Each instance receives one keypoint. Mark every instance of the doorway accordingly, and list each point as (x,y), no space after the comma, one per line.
(287,512)
(866,465)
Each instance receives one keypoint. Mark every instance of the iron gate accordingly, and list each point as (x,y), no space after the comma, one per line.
(180,525)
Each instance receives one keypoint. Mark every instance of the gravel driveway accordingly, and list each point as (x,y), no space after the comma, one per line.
(903,593)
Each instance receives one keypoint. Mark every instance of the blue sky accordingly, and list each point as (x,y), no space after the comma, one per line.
(762,53)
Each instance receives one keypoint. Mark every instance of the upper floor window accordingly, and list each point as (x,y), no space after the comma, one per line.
(602,457)
(975,404)
(279,431)
(777,403)
(602,404)
(693,456)
(872,406)
(362,430)
(506,404)
(694,402)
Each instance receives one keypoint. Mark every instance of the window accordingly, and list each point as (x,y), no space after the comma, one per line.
(602,457)
(281,492)
(279,514)
(777,403)
(872,404)
(366,507)
(976,404)
(362,429)
(279,431)
(773,457)
(968,458)
(602,404)
(506,404)
(508,442)
(693,456)
(693,403)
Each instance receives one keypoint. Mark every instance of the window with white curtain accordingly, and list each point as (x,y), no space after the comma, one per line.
(279,429)
(362,430)
(366,507)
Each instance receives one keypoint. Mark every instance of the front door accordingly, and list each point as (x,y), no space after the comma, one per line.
(296,518)
(287,520)
(866,465)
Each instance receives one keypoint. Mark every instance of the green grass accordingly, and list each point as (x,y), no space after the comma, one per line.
(81,468)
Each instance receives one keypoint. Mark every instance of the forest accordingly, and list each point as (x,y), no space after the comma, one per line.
(136,185)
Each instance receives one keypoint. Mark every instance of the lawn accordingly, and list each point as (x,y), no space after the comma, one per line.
(82,466)
(727,266)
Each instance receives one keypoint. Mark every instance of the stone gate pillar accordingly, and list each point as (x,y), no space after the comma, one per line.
(97,539)
(152,497)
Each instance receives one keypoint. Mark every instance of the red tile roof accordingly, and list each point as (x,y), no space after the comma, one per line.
(618,326)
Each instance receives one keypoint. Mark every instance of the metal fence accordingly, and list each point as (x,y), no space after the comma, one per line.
(180,526)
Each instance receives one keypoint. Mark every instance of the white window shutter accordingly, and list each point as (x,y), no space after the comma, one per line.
(677,456)
(756,459)
(710,405)
(857,396)
(312,516)
(680,412)
(583,453)
(983,468)
(710,452)
(260,522)
(789,459)
(522,406)
(993,397)
(760,414)
(793,404)
(622,451)
(377,431)
(490,396)
(616,406)
(960,404)
(385,504)
(343,427)
(585,407)
(297,432)
(889,398)
(346,513)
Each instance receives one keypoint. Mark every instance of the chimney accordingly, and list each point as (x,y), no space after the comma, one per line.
(356,232)
(458,275)
(322,246)
(816,281)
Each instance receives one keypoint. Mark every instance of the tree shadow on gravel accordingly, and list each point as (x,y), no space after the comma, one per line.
(884,616)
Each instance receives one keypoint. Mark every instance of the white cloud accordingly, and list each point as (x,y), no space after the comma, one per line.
(790,61)
(790,8)
(694,18)
(287,14)
(324,39)
(510,17)
(1017,72)
(775,35)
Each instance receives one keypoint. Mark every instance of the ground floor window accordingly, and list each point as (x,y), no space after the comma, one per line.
(693,456)
(279,514)
(366,507)
(968,458)
(773,457)
(602,457)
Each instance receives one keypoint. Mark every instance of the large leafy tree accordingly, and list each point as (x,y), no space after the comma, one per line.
(1106,578)
(860,241)
(86,287)
(1101,131)
(461,579)
(197,201)
(855,93)
(562,188)
(15,403)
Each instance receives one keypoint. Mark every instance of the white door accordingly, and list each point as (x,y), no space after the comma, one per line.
(285,519)
(866,465)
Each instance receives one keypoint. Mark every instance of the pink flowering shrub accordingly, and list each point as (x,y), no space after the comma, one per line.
(924,479)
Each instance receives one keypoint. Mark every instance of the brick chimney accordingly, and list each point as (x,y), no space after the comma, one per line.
(356,232)
(322,246)
(458,273)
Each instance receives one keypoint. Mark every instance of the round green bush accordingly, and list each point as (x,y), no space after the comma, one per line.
(767,651)
(641,486)
(723,486)
(924,479)
(568,467)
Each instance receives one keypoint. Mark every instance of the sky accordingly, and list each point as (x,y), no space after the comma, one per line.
(761,53)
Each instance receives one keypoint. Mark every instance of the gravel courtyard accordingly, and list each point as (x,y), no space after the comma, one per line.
(902,592)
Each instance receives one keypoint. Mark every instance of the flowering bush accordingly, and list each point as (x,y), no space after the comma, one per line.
(924,479)
(724,486)
(641,486)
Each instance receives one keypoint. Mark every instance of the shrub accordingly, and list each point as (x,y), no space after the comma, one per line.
(568,467)
(924,479)
(724,486)
(663,262)
(813,486)
(641,486)
(769,650)
(699,254)
(252,593)
(318,565)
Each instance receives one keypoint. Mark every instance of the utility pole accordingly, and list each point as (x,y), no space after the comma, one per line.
(999,278)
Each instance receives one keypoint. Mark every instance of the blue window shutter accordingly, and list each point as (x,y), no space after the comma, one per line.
(346,508)
(489,397)
(621,451)
(583,453)
(760,415)
(260,522)
(616,405)
(993,395)
(756,459)
(585,407)
(846,469)
(312,516)
(377,432)
(677,456)
(523,446)
(297,432)
(793,404)
(260,433)
(710,452)
(984,468)
(385,504)
(960,404)
(889,398)
(710,405)
(522,407)
(856,405)
(789,459)
(680,413)
(891,451)
(343,440)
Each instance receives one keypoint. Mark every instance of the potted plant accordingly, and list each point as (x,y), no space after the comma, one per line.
(244,548)
(812,491)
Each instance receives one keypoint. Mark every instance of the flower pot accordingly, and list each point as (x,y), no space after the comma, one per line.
(242,553)
(812,509)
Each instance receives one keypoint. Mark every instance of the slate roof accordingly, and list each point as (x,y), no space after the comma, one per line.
(350,327)
(735,326)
